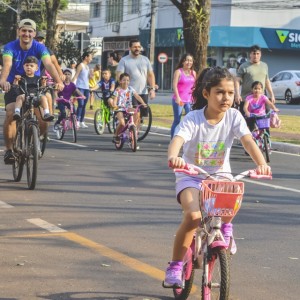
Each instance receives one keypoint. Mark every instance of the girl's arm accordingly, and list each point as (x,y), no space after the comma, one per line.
(139,98)
(78,70)
(77,91)
(175,83)
(256,155)
(173,151)
(271,104)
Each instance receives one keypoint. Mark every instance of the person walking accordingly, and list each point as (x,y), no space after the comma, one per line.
(95,76)
(113,61)
(248,72)
(14,54)
(183,82)
(81,78)
(140,71)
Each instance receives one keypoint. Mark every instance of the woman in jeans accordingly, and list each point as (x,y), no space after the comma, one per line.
(81,78)
(183,82)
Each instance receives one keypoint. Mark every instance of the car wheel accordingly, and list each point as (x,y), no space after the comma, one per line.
(288,97)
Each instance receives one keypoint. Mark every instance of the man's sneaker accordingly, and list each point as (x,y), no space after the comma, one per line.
(48,117)
(9,157)
(227,231)
(82,125)
(174,275)
(16,116)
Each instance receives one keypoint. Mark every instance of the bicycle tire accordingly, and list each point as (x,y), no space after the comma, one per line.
(266,147)
(115,122)
(188,275)
(110,125)
(19,162)
(132,138)
(144,125)
(99,121)
(32,156)
(216,261)
(60,131)
(74,127)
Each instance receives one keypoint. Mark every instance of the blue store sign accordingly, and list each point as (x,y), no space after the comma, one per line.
(281,38)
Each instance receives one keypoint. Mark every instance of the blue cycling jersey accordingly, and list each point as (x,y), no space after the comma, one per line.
(19,55)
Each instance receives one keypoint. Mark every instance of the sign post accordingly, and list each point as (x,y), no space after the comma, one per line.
(162,58)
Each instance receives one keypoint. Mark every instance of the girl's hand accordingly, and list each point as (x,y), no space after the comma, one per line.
(176,162)
(263,170)
(276,109)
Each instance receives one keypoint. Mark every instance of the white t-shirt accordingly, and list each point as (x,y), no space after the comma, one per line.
(208,146)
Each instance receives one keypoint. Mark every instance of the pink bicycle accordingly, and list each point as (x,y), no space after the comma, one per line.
(208,250)
(69,122)
(129,132)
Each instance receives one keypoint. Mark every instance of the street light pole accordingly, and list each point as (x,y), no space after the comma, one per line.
(152,31)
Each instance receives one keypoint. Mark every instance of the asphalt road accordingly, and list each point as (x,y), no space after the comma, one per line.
(101,223)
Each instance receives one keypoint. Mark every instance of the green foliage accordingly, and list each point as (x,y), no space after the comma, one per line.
(66,50)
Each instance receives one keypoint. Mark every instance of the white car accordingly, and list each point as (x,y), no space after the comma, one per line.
(286,85)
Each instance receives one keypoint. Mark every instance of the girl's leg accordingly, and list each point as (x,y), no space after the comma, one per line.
(85,101)
(189,199)
(187,108)
(80,103)
(121,123)
(177,111)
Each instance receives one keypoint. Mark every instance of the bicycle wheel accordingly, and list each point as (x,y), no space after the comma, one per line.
(60,131)
(132,138)
(188,276)
(110,125)
(217,266)
(144,124)
(99,121)
(73,124)
(18,165)
(32,156)
(266,147)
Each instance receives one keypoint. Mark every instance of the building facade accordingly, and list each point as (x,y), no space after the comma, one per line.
(235,26)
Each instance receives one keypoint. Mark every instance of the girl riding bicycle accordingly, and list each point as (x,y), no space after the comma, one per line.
(206,134)
(256,104)
(69,89)
(122,97)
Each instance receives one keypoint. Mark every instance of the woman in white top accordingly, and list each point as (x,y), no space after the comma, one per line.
(81,78)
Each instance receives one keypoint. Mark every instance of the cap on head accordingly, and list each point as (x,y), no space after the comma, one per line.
(40,35)
(27,23)
(67,70)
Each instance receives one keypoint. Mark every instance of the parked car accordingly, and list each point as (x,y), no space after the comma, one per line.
(286,85)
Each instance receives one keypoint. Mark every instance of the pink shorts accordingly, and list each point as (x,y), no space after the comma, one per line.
(187,182)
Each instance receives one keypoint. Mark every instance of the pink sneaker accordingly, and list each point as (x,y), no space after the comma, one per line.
(174,275)
(227,231)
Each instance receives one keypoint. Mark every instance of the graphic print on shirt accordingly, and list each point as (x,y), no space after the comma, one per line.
(124,97)
(210,154)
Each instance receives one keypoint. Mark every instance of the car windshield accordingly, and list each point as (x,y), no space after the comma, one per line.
(298,74)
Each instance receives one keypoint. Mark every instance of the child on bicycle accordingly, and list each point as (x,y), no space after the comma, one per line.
(33,84)
(122,98)
(69,89)
(256,104)
(107,85)
(206,134)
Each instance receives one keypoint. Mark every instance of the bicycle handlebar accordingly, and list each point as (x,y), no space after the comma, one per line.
(190,169)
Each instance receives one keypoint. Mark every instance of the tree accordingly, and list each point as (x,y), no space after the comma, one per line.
(196,21)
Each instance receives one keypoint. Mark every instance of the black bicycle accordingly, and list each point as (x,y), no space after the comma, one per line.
(26,146)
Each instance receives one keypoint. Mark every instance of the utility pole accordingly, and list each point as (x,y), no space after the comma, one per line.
(152,30)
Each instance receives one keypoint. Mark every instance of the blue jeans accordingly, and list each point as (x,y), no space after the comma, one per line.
(82,104)
(177,111)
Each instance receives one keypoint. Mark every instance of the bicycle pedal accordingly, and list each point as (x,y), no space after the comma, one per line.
(174,286)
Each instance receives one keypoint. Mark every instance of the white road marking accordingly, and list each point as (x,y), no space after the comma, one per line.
(272,186)
(5,205)
(69,143)
(48,226)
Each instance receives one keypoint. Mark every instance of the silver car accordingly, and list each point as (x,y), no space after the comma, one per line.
(286,85)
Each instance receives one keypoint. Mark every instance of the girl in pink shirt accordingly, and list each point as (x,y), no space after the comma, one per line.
(183,82)
(256,103)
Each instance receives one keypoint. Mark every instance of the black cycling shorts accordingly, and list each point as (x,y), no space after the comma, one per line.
(144,110)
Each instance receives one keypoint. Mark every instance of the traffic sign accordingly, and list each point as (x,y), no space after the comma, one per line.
(162,58)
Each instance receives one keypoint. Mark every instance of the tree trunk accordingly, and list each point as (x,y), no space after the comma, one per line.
(51,10)
(196,21)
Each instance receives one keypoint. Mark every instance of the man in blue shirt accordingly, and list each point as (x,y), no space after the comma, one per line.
(14,55)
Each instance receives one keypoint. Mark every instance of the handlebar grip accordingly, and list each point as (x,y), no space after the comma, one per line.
(254,175)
